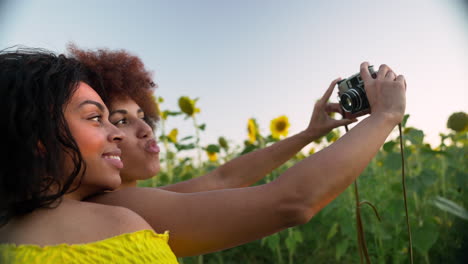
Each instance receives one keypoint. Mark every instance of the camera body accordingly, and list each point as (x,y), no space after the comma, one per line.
(352,94)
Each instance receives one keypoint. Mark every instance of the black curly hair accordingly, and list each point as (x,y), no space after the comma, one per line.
(35,87)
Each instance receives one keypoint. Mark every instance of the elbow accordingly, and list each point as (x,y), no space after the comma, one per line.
(294,210)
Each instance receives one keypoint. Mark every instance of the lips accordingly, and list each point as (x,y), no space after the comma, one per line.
(151,146)
(113,158)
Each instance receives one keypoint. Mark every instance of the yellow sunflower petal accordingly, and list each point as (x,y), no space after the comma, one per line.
(173,135)
(279,127)
(252,130)
(212,156)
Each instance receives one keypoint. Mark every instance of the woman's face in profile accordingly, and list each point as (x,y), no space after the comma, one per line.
(140,152)
(87,119)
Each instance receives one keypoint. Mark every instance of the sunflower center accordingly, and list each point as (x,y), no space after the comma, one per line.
(280,126)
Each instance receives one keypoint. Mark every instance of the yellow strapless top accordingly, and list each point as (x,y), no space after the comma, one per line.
(144,246)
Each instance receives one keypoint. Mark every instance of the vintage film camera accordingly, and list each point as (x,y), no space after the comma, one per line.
(352,94)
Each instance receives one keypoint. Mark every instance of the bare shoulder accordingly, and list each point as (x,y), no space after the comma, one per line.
(124,219)
(116,219)
(72,222)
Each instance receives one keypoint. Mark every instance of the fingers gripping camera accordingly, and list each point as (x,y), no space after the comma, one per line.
(352,94)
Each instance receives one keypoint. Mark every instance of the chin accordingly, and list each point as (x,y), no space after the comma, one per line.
(148,174)
(114,183)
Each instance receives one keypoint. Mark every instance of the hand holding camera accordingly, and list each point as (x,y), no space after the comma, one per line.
(373,92)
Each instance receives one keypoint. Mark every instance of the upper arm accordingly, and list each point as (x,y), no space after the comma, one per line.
(207,221)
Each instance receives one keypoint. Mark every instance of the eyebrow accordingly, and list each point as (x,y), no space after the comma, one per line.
(99,105)
(123,111)
(119,111)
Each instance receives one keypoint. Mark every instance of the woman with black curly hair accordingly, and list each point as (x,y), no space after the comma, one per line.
(59,148)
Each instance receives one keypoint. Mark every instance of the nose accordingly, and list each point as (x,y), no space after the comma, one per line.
(115,135)
(144,130)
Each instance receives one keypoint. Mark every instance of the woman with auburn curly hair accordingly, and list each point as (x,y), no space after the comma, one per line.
(129,89)
(59,148)
(209,213)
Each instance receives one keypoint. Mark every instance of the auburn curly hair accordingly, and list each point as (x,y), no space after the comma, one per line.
(123,76)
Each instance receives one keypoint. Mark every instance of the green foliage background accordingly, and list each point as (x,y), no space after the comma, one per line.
(436,181)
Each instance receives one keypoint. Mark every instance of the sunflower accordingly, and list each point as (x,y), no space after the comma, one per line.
(252,130)
(279,127)
(311,151)
(187,105)
(458,121)
(173,135)
(212,156)
(223,143)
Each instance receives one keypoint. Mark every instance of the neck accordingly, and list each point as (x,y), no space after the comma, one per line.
(126,184)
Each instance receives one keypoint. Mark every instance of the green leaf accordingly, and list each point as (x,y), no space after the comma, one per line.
(450,207)
(184,147)
(428,177)
(297,235)
(270,139)
(332,231)
(392,161)
(212,148)
(394,211)
(425,236)
(405,119)
(291,244)
(172,113)
(272,241)
(341,248)
(388,147)
(186,138)
(202,127)
(186,176)
(293,239)
(248,149)
(332,136)
(415,136)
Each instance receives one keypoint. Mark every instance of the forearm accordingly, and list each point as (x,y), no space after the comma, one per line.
(321,177)
(251,167)
(246,169)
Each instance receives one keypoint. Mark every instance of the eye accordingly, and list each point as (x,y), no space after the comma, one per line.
(122,121)
(97,118)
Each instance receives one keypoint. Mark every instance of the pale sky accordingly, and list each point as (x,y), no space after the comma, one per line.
(263,59)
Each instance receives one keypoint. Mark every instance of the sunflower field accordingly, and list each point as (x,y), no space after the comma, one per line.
(436,187)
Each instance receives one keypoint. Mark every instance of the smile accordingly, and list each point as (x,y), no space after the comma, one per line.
(114,160)
(112,157)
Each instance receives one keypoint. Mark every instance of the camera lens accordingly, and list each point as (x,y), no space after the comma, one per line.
(346,102)
(351,100)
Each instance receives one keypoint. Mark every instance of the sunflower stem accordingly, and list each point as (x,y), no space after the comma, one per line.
(197,141)
(166,146)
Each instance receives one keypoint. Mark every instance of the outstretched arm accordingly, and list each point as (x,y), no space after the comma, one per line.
(249,168)
(204,222)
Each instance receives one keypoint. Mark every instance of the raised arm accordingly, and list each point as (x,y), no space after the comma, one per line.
(210,221)
(249,168)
